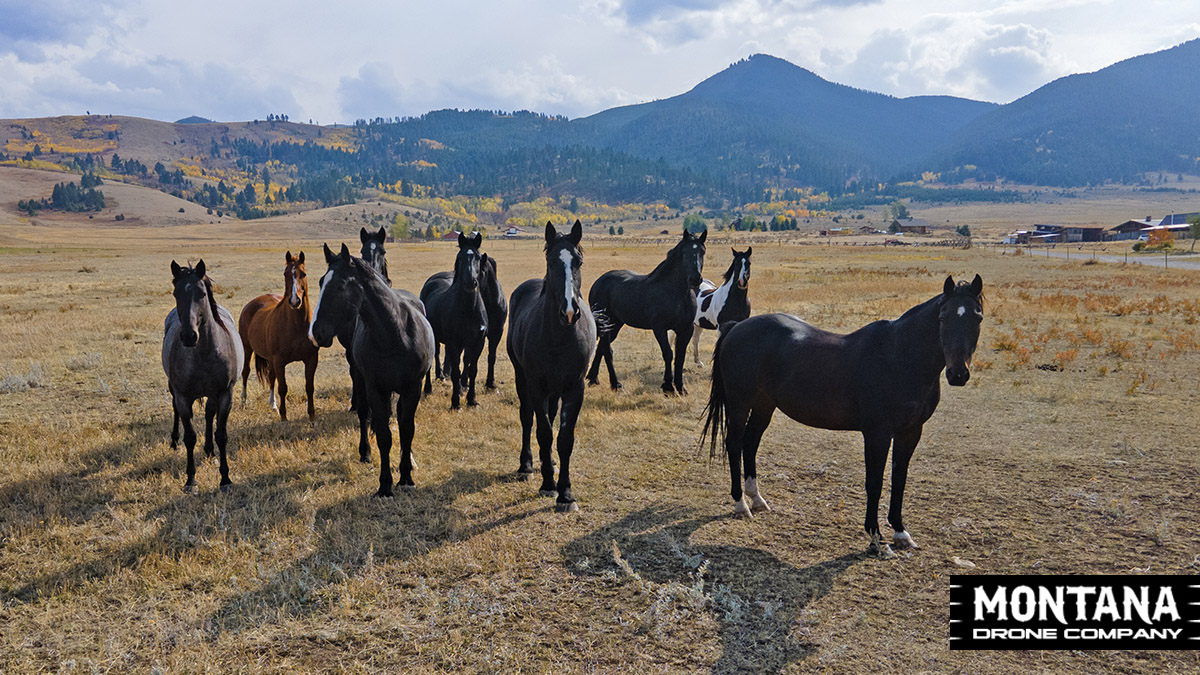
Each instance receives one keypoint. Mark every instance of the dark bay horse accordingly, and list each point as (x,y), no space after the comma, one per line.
(497,311)
(551,337)
(664,300)
(200,355)
(881,380)
(728,302)
(274,330)
(459,318)
(374,255)
(392,351)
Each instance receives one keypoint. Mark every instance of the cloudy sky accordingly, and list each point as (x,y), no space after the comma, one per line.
(335,61)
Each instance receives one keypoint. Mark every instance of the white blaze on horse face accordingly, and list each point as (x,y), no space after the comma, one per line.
(962,309)
(317,310)
(568,288)
(295,297)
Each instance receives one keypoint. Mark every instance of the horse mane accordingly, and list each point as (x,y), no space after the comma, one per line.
(212,301)
(672,258)
(547,245)
(729,270)
(963,283)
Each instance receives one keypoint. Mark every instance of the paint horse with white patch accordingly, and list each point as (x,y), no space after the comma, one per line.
(551,338)
(881,380)
(459,318)
(392,348)
(200,355)
(728,302)
(274,330)
(664,300)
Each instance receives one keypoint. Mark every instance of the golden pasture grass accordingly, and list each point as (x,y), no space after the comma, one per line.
(106,566)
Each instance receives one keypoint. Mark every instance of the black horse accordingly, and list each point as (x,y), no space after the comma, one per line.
(201,355)
(392,351)
(374,255)
(550,339)
(881,380)
(660,301)
(497,311)
(459,318)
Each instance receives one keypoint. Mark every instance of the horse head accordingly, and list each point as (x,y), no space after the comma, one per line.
(739,269)
(959,318)
(466,265)
(691,248)
(295,280)
(372,251)
(564,258)
(339,296)
(191,297)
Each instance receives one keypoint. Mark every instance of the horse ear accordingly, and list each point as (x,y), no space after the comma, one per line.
(462,240)
(686,235)
(287,258)
(329,256)
(175,270)
(977,286)
(199,269)
(703,236)
(300,258)
(363,235)
(478,240)
(345,252)
(948,287)
(576,233)
(749,250)
(551,234)
(381,235)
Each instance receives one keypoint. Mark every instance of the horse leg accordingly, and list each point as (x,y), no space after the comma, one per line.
(471,366)
(572,401)
(593,375)
(734,438)
(682,337)
(271,387)
(174,422)
(545,437)
(283,388)
(760,418)
(184,410)
(902,451)
(493,342)
(664,343)
(428,383)
(406,414)
(310,371)
(453,356)
(224,404)
(437,360)
(696,346)
(245,367)
(608,358)
(353,380)
(525,469)
(875,452)
(380,421)
(364,416)
(210,411)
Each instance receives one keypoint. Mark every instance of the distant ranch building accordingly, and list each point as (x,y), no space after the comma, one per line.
(910,226)
(1130,229)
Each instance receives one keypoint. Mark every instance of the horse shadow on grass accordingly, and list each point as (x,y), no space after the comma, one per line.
(349,537)
(92,495)
(756,598)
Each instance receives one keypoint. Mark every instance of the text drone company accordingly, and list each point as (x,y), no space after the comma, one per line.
(1081,612)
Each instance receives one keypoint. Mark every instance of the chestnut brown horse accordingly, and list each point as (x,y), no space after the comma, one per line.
(274,331)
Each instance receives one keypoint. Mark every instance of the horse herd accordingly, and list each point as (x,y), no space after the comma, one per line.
(881,380)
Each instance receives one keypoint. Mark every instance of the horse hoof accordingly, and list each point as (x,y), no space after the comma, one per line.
(566,507)
(365,459)
(190,489)
(741,510)
(616,387)
(407,488)
(682,391)
(903,540)
(524,474)
(547,493)
(593,382)
(381,493)
(472,404)
(225,487)
(758,504)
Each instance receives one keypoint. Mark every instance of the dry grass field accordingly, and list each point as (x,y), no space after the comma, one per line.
(1072,450)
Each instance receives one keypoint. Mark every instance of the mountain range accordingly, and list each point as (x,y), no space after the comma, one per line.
(760,123)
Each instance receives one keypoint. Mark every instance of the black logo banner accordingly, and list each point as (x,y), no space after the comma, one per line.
(1122,611)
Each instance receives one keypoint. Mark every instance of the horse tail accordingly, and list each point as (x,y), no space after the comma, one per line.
(262,368)
(714,413)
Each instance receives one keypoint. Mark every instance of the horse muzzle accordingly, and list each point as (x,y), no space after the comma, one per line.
(957,376)
(189,338)
(569,317)
(294,303)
